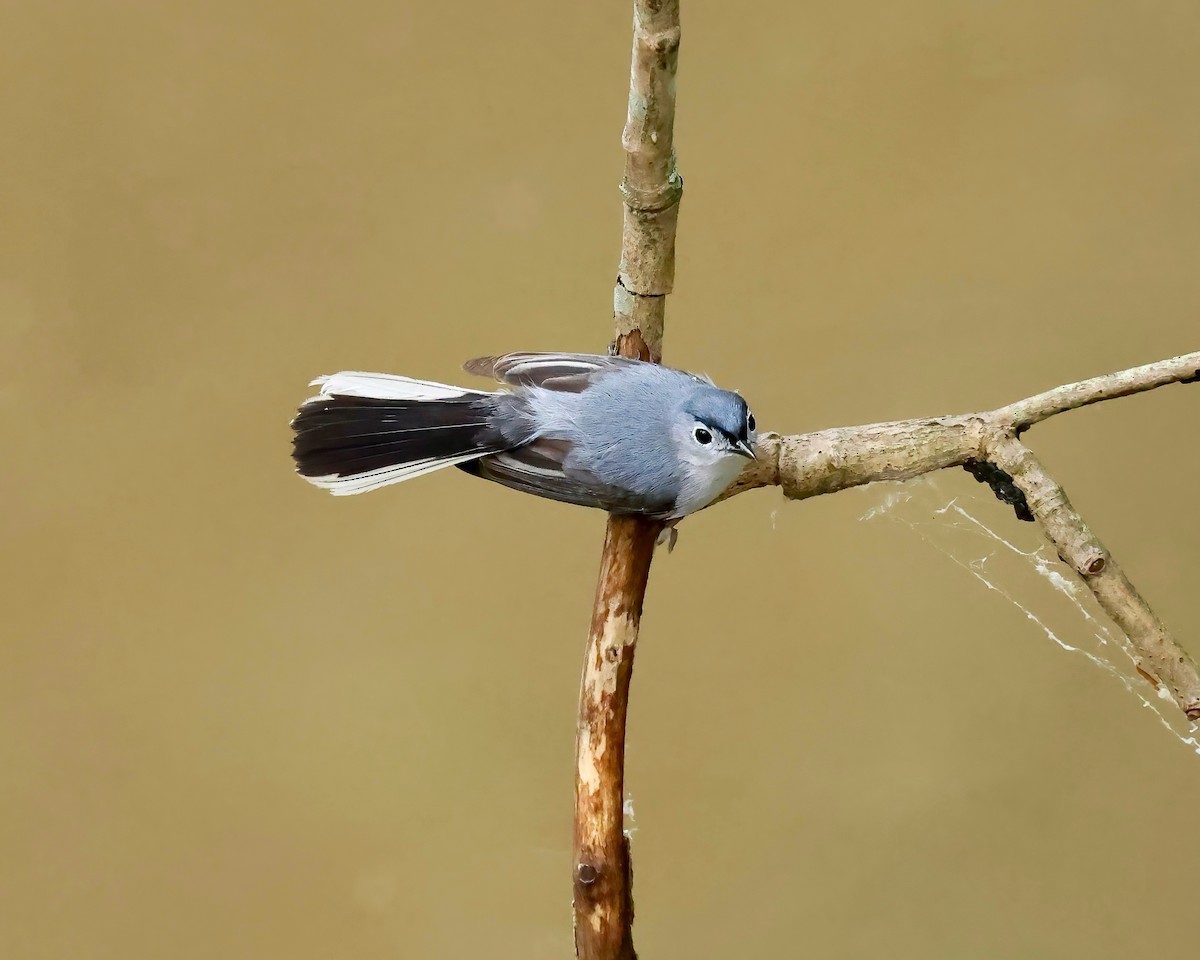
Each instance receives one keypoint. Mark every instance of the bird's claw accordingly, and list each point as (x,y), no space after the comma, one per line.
(668,535)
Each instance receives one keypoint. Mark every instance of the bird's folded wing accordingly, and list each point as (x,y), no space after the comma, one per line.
(569,372)
(538,469)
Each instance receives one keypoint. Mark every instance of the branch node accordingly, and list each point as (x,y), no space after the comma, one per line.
(645,203)
(662,42)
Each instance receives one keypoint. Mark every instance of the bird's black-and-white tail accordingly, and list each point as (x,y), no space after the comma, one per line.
(366,430)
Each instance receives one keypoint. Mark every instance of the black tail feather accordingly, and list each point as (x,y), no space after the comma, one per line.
(345,436)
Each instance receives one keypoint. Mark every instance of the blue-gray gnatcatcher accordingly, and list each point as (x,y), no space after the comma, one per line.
(625,436)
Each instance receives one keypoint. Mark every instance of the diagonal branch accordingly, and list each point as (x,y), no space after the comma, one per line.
(1025,413)
(652,189)
(826,461)
(1156,655)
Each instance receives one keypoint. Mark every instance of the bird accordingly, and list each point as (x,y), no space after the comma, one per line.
(610,432)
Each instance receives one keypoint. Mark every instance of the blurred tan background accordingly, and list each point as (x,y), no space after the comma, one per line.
(243,719)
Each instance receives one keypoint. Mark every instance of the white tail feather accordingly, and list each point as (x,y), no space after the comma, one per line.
(385,386)
(382,476)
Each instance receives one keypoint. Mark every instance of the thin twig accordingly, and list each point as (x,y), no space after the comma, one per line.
(1024,413)
(652,189)
(826,461)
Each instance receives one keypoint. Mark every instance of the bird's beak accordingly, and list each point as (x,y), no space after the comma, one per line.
(743,448)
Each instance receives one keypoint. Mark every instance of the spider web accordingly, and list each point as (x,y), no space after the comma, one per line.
(1024,564)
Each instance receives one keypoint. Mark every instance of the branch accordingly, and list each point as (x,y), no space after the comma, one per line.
(1157,656)
(803,466)
(652,189)
(1025,413)
(811,464)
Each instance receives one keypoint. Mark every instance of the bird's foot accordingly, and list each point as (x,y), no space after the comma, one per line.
(668,535)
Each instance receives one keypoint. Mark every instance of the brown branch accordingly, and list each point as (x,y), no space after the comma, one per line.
(652,188)
(811,464)
(603,873)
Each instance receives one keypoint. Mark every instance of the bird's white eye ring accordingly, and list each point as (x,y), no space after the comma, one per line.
(702,436)
(750,425)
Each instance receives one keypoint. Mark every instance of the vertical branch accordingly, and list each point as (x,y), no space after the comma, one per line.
(603,874)
(652,188)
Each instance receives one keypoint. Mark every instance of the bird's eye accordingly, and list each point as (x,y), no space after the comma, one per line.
(750,422)
(703,436)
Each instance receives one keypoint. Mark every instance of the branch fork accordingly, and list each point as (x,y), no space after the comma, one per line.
(810,464)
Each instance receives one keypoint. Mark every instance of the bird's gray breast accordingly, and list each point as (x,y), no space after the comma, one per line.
(619,436)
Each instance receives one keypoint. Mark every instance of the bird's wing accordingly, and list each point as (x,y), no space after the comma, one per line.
(568,372)
(537,468)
